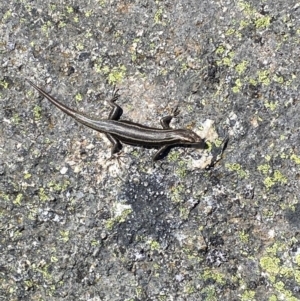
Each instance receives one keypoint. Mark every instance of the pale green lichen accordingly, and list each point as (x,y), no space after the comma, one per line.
(248,295)
(237,87)
(32,214)
(69,9)
(238,169)
(210,293)
(244,237)
(88,13)
(59,185)
(43,269)
(4,84)
(227,61)
(42,195)
(78,97)
(218,142)
(79,46)
(27,176)
(181,169)
(276,248)
(209,146)
(271,105)
(52,7)
(184,67)
(280,287)
(264,168)
(273,298)
(4,197)
(278,178)
(116,74)
(64,235)
(16,118)
(278,79)
(220,50)
(263,22)
(102,2)
(264,77)
(297,276)
(270,264)
(246,8)
(252,81)
(18,199)
(29,284)
(37,112)
(268,158)
(46,28)
(211,274)
(184,212)
(189,288)
(53,259)
(282,137)
(176,192)
(174,156)
(95,243)
(260,21)
(241,67)
(268,182)
(243,24)
(139,291)
(274,267)
(154,245)
(121,211)
(6,15)
(295,158)
(230,31)
(159,16)
(286,272)
(61,24)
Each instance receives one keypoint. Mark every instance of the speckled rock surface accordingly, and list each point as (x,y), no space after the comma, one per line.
(199,224)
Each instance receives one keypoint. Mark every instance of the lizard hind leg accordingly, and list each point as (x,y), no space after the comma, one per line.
(165,121)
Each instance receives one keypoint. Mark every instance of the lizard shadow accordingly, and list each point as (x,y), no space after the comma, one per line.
(165,153)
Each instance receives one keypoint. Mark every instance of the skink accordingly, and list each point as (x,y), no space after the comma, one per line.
(132,133)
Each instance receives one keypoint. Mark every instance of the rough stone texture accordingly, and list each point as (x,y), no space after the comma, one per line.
(77,226)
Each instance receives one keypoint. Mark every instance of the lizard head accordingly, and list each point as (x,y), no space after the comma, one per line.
(190,137)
